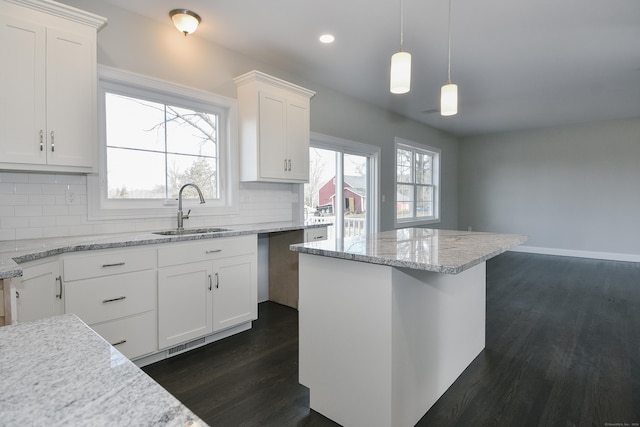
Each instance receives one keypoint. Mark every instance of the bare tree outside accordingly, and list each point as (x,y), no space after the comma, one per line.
(176,146)
(316,168)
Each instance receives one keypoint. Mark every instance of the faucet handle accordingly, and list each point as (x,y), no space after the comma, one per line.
(186,216)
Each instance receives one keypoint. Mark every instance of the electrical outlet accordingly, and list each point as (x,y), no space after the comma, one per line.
(71,198)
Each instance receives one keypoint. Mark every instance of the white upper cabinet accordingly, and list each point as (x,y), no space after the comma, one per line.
(48,114)
(274,129)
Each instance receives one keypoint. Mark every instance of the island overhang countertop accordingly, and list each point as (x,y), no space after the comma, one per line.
(58,372)
(441,251)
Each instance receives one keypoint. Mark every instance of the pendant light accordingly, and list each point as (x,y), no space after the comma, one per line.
(449,92)
(400,79)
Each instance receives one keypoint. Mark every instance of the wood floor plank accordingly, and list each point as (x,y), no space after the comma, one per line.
(562,349)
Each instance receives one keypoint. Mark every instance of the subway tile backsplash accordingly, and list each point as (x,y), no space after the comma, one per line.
(34,206)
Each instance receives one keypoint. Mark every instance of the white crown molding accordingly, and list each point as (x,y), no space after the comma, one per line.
(63,11)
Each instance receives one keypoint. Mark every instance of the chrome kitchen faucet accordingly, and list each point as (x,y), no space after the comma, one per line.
(181,216)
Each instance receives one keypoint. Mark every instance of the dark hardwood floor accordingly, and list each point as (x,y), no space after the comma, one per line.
(562,349)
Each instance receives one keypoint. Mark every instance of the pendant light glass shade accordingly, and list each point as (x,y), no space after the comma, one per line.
(449,92)
(449,99)
(400,81)
(185,20)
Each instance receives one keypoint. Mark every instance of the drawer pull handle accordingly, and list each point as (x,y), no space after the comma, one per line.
(213,251)
(217,281)
(119,342)
(112,265)
(210,283)
(113,299)
(318,237)
(59,280)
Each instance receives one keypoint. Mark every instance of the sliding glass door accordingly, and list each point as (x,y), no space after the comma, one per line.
(342,187)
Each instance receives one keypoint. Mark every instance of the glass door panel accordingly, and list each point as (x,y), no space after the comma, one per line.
(355,195)
(338,192)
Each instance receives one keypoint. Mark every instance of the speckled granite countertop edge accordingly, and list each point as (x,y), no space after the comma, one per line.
(14,252)
(439,251)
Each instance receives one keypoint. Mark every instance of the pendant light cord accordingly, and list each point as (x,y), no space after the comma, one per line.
(449,46)
(401,24)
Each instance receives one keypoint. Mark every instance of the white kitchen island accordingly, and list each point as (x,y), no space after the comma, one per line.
(389,321)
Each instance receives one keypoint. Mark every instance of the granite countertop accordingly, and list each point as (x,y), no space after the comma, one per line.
(14,252)
(442,251)
(58,372)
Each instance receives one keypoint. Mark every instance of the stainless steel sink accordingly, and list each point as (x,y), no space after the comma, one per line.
(176,232)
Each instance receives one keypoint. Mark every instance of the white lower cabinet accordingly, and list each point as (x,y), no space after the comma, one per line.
(204,297)
(132,336)
(38,293)
(235,291)
(145,300)
(115,293)
(184,303)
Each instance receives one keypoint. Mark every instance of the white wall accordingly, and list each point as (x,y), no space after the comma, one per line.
(574,190)
(134,43)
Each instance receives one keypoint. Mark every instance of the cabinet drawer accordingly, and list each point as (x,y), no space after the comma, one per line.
(209,249)
(105,264)
(133,336)
(315,234)
(107,298)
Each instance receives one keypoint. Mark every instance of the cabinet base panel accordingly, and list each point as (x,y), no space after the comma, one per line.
(190,345)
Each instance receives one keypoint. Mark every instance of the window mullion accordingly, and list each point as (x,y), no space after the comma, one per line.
(166,156)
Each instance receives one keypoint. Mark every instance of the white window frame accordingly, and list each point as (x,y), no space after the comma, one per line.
(436,153)
(113,80)
(346,146)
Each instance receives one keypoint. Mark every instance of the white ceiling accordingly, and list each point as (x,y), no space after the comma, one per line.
(518,64)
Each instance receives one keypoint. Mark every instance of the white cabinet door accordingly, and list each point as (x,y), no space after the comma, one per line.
(22,85)
(273,160)
(274,129)
(184,303)
(235,292)
(70,99)
(297,136)
(48,110)
(39,292)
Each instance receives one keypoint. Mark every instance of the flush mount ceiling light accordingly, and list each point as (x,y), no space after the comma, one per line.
(449,92)
(185,20)
(326,38)
(400,78)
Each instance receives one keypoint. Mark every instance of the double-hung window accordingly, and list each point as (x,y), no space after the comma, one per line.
(155,137)
(417,183)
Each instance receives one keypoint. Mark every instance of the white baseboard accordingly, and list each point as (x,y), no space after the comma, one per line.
(611,256)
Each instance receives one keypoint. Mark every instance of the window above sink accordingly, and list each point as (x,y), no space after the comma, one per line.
(144,189)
